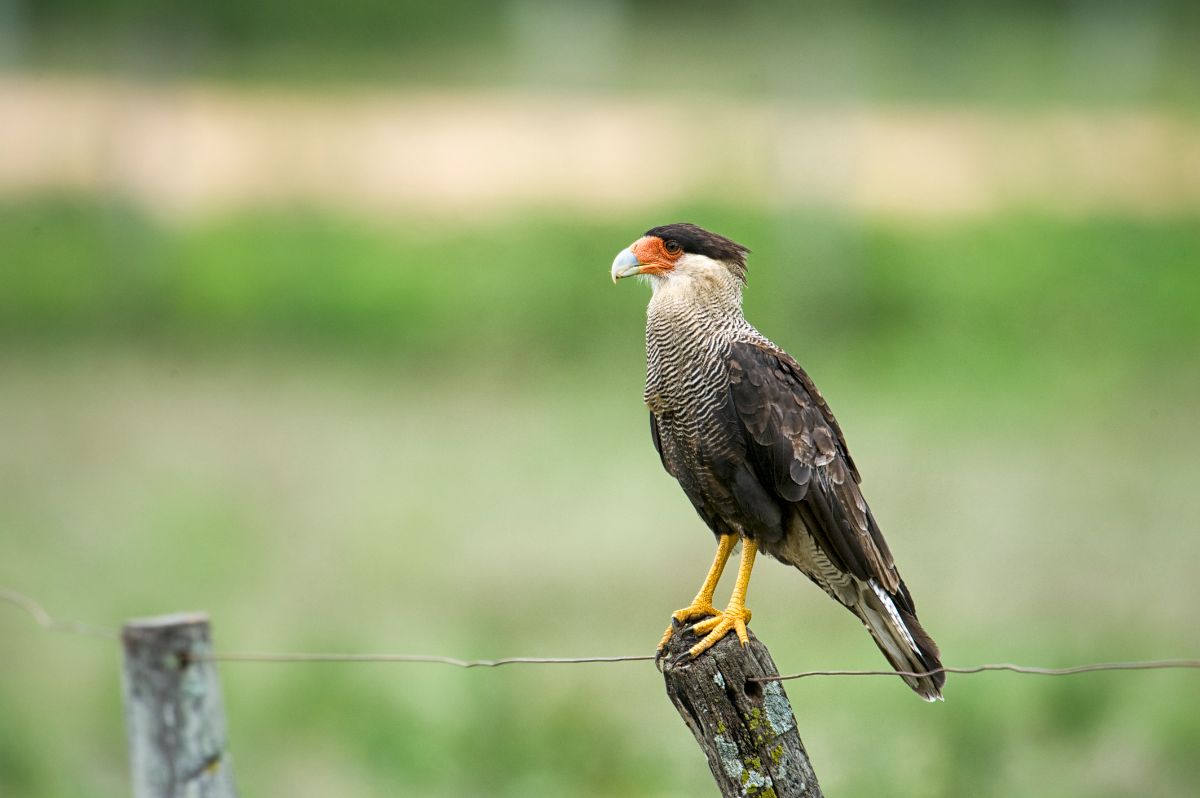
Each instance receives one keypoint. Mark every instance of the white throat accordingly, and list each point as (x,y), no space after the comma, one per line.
(698,280)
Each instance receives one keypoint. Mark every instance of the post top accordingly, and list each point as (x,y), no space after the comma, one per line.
(171,619)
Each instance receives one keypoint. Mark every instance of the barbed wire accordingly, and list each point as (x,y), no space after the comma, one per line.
(1091,667)
(45,620)
(430,658)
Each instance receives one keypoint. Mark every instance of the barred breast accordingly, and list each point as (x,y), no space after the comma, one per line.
(687,389)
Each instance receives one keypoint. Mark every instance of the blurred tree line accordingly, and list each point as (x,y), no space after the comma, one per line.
(1074,50)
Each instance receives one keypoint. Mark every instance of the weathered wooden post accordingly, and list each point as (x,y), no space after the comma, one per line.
(745,728)
(173,712)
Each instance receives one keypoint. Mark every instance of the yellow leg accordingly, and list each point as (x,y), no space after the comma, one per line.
(702,603)
(736,616)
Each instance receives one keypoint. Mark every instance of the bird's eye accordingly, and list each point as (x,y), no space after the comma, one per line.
(673,248)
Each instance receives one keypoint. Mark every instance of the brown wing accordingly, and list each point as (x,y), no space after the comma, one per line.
(796,449)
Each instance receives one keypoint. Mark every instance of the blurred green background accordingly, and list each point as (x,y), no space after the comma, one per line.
(305,320)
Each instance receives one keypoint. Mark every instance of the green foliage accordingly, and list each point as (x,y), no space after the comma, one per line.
(996,299)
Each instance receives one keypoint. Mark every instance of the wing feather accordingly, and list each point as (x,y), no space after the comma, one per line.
(796,447)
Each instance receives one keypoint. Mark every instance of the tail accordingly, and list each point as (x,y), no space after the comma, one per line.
(892,621)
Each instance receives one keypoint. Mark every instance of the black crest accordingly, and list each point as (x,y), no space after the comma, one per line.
(698,241)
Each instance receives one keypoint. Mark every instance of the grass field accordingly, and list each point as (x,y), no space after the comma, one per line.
(339,436)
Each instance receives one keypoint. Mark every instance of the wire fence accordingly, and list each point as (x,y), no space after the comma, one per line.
(45,620)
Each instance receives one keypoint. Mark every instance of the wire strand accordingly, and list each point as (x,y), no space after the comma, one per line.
(429,658)
(1141,665)
(45,620)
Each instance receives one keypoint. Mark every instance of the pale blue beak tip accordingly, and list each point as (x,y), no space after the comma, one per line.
(626,264)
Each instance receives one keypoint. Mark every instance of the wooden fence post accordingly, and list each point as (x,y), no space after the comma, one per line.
(174,717)
(745,728)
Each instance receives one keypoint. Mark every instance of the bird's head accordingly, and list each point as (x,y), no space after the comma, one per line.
(681,251)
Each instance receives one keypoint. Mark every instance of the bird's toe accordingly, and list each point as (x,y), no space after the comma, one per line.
(688,613)
(733,619)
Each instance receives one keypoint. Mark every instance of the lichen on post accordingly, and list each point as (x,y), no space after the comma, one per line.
(745,727)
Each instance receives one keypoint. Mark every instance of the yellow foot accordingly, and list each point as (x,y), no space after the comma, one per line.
(713,629)
(693,610)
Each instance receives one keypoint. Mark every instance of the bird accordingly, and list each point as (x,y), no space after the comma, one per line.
(756,449)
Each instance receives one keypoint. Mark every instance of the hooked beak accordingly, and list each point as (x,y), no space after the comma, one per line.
(626,264)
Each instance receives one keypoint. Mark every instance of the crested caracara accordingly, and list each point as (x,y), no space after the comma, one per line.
(758,452)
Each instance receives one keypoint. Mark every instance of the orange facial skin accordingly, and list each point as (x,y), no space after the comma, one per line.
(651,252)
